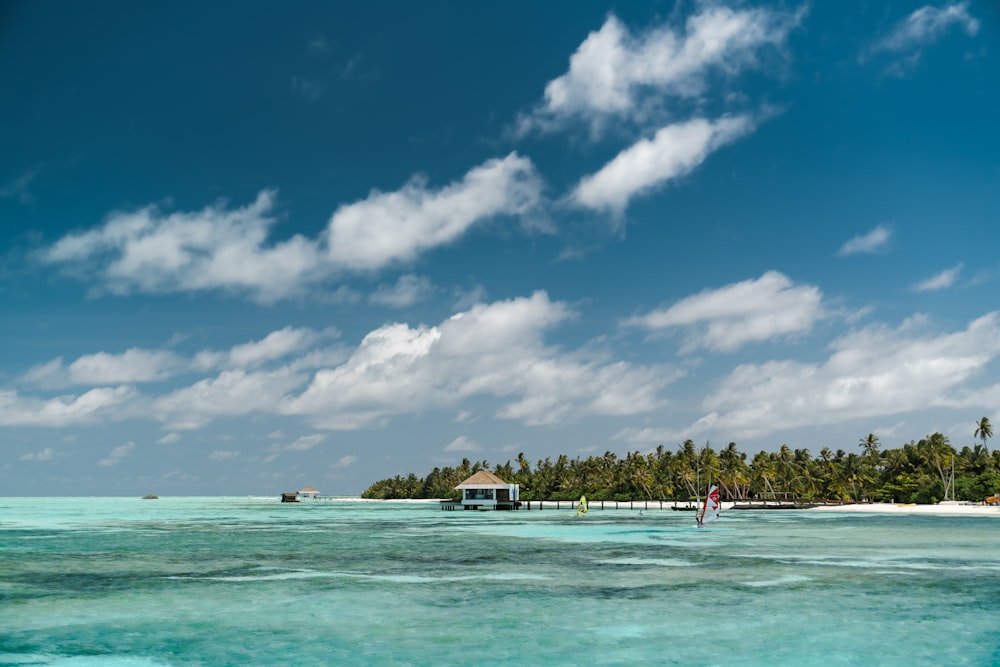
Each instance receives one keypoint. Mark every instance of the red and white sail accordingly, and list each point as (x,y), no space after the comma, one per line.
(710,510)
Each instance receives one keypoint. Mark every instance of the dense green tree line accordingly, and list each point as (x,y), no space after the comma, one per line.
(917,472)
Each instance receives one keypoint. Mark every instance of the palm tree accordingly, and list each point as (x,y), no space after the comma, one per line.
(983,430)
(870,443)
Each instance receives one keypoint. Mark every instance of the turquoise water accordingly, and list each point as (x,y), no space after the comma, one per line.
(238,581)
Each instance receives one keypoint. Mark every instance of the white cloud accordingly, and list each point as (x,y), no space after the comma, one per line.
(388,228)
(217,248)
(132,366)
(463,444)
(231,393)
(874,241)
(615,73)
(43,455)
(117,454)
(408,290)
(750,311)
(305,442)
(674,151)
(926,25)
(169,438)
(301,444)
(345,461)
(222,455)
(16,410)
(275,345)
(942,280)
(874,372)
(493,350)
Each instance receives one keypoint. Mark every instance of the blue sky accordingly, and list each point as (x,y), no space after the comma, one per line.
(247,248)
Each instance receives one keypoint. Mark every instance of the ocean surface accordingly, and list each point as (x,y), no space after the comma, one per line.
(122,582)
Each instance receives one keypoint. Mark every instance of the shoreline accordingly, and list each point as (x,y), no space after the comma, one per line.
(906,508)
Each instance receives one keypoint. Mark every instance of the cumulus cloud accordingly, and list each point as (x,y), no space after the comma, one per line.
(614,73)
(218,248)
(875,372)
(942,280)
(215,248)
(492,350)
(730,317)
(117,454)
(673,151)
(926,25)
(388,228)
(495,350)
(874,241)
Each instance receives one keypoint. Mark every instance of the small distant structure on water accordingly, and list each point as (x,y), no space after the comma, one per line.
(296,496)
(485,491)
(150,496)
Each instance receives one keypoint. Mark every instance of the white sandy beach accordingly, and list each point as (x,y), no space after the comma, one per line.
(900,508)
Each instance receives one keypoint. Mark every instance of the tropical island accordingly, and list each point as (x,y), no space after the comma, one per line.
(926,471)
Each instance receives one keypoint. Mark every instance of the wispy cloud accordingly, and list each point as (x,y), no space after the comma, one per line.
(300,444)
(345,461)
(307,88)
(130,367)
(922,27)
(117,454)
(874,241)
(463,444)
(42,455)
(17,410)
(408,290)
(18,188)
(942,280)
(674,151)
(617,74)
(927,25)
(730,317)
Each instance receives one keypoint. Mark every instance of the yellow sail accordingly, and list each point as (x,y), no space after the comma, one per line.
(581,506)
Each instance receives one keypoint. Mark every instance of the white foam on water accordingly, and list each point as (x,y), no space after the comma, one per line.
(643,562)
(786,580)
(106,661)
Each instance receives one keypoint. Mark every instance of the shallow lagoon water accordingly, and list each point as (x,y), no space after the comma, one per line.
(247,581)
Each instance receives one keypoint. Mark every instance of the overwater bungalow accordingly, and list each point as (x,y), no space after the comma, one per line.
(485,491)
(309,492)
